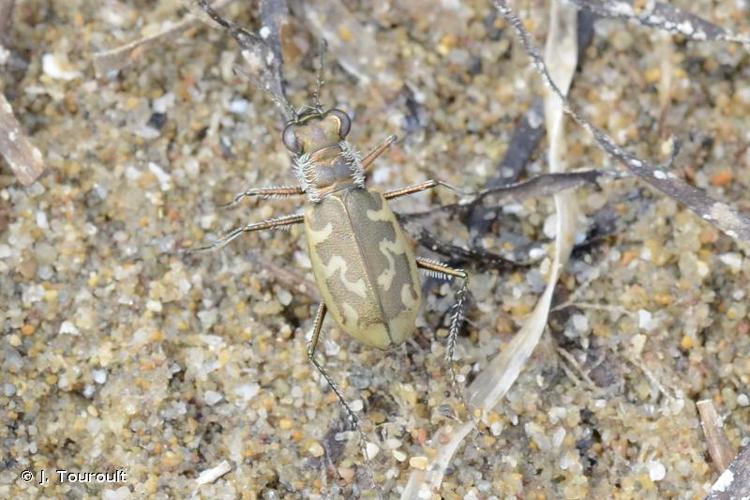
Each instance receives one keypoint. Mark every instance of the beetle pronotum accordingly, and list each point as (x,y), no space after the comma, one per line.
(362,263)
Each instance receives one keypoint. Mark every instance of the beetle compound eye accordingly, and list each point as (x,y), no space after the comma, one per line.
(290,140)
(345,122)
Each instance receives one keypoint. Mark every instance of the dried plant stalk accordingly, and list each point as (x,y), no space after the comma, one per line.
(665,17)
(495,380)
(719,447)
(23,158)
(727,219)
(493,383)
(125,55)
(261,51)
(734,482)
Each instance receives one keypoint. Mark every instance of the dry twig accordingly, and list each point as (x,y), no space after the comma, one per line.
(734,483)
(724,217)
(664,17)
(125,55)
(23,158)
(719,447)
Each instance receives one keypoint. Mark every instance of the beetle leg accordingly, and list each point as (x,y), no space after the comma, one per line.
(278,222)
(269,192)
(379,150)
(353,420)
(441,270)
(416,188)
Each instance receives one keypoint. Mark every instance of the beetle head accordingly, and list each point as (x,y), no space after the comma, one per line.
(314,130)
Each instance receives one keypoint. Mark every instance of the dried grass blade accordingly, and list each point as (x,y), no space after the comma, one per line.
(495,380)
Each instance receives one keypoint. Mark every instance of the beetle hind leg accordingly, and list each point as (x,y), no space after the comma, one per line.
(277,223)
(351,416)
(443,271)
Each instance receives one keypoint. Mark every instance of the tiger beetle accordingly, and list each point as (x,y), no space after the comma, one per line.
(363,265)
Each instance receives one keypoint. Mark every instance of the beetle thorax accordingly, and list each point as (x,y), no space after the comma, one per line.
(329,169)
(324,162)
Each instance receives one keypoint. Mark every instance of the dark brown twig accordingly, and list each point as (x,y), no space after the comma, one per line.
(526,137)
(541,185)
(261,51)
(461,255)
(734,482)
(725,218)
(664,17)
(23,158)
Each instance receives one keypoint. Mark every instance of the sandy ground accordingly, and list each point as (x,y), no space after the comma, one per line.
(117,354)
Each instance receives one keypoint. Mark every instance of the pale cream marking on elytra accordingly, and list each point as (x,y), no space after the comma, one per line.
(382,214)
(386,247)
(407,298)
(319,235)
(389,248)
(337,264)
(351,316)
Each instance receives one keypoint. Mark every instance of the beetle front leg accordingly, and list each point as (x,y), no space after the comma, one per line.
(444,271)
(269,192)
(417,188)
(311,346)
(278,222)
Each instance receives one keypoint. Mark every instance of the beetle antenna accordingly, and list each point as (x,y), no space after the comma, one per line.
(319,82)
(254,44)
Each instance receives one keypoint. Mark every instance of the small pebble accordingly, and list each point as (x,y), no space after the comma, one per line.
(68,328)
(419,463)
(315,449)
(58,67)
(212,397)
(656,470)
(372,450)
(99,376)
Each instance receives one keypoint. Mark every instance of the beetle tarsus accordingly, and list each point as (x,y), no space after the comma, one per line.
(444,271)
